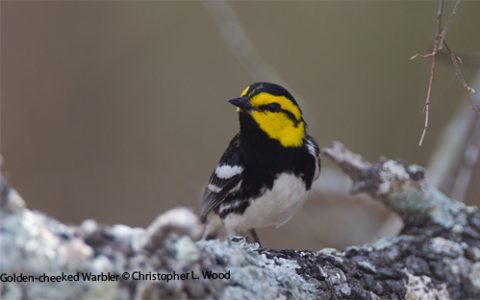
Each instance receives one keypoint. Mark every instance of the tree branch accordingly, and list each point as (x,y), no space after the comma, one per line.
(436,256)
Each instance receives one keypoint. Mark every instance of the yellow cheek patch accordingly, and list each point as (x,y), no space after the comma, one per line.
(285,103)
(278,126)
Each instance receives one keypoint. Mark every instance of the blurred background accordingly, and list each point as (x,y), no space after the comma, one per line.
(117,111)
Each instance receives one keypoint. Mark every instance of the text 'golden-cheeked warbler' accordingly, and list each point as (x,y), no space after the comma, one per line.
(264,175)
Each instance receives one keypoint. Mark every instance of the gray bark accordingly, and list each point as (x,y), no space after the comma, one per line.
(436,255)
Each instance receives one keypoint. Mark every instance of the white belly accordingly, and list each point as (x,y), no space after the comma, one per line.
(275,207)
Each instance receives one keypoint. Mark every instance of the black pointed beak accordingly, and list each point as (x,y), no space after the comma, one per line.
(241,102)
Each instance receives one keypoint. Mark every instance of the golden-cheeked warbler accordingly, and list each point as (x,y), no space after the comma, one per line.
(264,175)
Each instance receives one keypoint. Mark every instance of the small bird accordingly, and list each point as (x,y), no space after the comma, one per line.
(263,177)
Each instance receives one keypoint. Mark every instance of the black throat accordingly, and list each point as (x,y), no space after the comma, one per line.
(251,136)
(265,157)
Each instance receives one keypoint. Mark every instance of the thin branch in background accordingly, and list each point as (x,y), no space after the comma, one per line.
(441,33)
(448,151)
(469,160)
(235,37)
(456,60)
(452,163)
(242,47)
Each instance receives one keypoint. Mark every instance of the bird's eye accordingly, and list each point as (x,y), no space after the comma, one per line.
(274,107)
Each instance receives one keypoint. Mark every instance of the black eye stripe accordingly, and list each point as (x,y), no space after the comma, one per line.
(290,116)
(275,107)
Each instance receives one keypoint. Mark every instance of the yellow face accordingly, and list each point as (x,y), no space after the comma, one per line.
(279,117)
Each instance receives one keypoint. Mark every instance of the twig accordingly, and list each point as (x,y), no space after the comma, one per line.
(441,33)
(468,60)
(426,106)
(433,54)
(456,60)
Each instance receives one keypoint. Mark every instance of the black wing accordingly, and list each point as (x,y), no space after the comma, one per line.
(226,176)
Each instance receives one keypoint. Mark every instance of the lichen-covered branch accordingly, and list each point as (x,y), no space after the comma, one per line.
(437,254)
